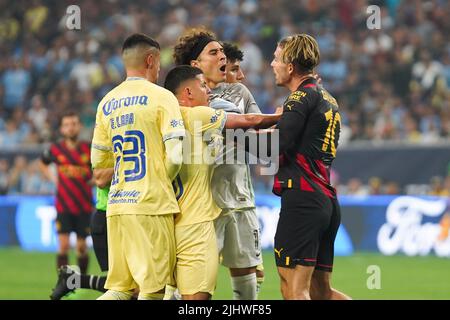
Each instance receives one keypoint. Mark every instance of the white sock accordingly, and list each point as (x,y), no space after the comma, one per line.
(244,287)
(171,293)
(259,282)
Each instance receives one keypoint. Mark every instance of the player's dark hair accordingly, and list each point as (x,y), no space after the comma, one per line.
(232,52)
(191,44)
(178,75)
(139,39)
(68,114)
(302,51)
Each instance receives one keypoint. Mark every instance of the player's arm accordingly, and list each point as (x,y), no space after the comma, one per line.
(103,165)
(174,157)
(46,159)
(247,121)
(102,157)
(172,131)
(103,177)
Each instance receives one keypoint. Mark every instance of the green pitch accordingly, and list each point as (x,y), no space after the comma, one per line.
(31,275)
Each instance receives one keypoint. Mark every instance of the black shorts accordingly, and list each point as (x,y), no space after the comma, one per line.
(68,222)
(306,230)
(100,238)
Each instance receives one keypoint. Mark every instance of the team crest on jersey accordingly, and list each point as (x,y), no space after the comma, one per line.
(216,116)
(177,123)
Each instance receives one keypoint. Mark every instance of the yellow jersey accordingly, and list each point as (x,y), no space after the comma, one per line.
(133,120)
(192,186)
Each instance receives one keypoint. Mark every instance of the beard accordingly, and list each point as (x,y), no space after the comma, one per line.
(72,138)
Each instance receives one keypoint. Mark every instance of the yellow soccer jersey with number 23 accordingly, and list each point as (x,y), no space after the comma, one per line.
(133,121)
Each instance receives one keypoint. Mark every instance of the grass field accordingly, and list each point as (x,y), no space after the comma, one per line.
(31,275)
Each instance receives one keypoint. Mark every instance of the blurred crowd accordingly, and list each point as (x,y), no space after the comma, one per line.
(391,84)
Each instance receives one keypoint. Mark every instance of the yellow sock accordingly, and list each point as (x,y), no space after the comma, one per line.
(115,295)
(150,296)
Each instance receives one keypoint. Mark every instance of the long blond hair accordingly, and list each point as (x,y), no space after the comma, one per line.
(302,51)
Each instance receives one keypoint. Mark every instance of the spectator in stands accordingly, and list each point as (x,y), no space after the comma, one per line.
(4,176)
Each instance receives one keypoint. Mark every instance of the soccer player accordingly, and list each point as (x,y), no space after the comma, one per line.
(233,68)
(234,74)
(73,196)
(99,240)
(310,213)
(197,253)
(237,228)
(141,124)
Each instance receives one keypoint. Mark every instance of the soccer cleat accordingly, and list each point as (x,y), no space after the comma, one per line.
(61,289)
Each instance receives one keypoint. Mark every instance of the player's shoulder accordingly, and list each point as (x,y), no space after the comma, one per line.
(237,87)
(198,113)
(156,89)
(56,144)
(304,94)
(54,147)
(325,95)
(85,143)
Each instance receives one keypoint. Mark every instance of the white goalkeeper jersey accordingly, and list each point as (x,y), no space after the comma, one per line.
(231,183)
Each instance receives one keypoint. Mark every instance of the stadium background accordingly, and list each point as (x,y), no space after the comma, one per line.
(392,169)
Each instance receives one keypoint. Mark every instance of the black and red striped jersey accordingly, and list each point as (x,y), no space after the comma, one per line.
(73,192)
(309,133)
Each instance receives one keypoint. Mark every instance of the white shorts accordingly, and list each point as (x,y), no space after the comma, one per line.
(238,238)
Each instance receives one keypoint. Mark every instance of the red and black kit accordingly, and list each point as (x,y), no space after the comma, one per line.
(74,202)
(310,215)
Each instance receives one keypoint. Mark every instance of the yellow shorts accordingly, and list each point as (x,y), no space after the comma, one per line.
(197,258)
(141,251)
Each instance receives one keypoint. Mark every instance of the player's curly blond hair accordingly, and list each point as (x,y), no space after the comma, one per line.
(302,51)
(187,43)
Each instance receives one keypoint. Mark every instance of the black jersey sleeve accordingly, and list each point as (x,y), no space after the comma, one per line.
(47,156)
(295,114)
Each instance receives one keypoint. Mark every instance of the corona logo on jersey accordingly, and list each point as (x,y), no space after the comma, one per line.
(405,230)
(115,104)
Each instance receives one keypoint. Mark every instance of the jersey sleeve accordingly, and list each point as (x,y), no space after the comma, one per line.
(171,122)
(296,109)
(101,147)
(249,101)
